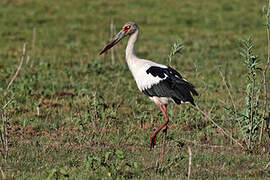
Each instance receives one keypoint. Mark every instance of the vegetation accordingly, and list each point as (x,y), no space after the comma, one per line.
(68,113)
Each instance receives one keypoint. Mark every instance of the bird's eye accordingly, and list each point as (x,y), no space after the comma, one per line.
(127,27)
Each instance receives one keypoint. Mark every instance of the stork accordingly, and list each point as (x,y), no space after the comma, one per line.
(161,83)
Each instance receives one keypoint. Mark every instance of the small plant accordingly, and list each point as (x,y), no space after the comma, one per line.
(250,119)
(114,163)
(176,48)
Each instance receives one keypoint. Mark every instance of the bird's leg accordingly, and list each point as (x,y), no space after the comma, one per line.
(153,137)
(166,117)
(164,133)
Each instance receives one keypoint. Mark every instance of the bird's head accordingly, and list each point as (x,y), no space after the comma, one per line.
(128,29)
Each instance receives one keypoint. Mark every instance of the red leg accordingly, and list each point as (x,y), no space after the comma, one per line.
(165,111)
(164,136)
(163,127)
(164,143)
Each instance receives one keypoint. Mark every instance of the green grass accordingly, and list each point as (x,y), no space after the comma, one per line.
(93,122)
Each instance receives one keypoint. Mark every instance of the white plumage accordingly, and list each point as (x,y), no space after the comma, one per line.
(138,67)
(144,80)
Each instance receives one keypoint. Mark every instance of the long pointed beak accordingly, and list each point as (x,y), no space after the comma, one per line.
(115,40)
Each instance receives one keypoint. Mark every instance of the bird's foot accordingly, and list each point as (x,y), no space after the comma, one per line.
(153,142)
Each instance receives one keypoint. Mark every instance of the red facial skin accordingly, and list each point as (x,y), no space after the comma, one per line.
(126,29)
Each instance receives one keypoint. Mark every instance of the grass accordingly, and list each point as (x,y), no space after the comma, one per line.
(93,123)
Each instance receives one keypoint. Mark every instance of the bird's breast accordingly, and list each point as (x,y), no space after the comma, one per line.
(145,80)
(138,68)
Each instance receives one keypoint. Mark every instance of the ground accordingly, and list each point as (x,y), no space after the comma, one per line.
(75,114)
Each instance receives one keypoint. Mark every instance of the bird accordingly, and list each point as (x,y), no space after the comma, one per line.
(161,83)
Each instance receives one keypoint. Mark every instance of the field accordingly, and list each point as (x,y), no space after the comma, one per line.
(72,114)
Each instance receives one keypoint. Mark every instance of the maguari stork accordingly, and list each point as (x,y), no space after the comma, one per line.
(161,83)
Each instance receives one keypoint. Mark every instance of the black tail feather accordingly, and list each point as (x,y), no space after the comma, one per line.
(183,91)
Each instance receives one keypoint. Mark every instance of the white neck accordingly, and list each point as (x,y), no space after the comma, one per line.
(130,50)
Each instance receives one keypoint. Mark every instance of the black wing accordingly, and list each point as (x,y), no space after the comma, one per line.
(172,85)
